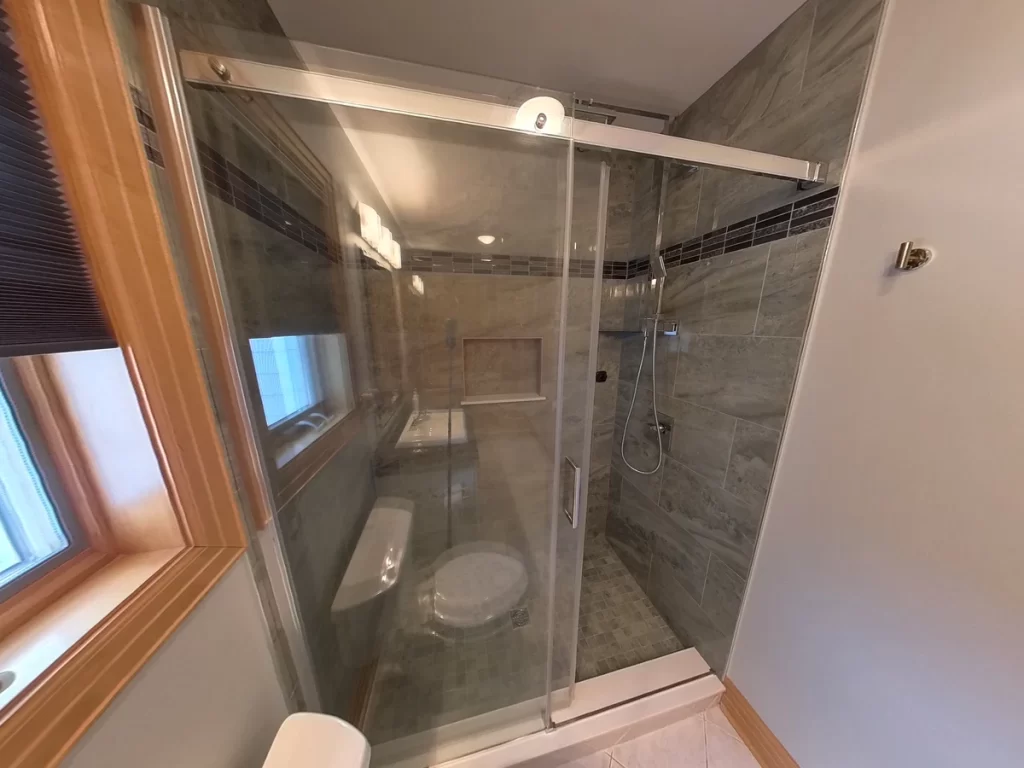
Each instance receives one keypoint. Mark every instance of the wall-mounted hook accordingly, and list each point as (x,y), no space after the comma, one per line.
(910,257)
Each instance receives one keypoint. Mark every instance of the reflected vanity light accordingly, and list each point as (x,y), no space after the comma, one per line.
(376,240)
(486,239)
(417,285)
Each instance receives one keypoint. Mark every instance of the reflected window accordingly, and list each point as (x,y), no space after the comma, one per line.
(30,528)
(305,387)
(286,372)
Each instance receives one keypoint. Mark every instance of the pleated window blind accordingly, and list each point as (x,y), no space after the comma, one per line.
(47,299)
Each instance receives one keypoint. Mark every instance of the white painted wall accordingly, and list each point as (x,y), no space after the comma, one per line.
(884,625)
(209,697)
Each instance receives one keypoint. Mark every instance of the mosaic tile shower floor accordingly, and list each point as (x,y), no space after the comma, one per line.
(619,626)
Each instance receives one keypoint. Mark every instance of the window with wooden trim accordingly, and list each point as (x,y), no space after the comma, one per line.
(38,527)
(118,509)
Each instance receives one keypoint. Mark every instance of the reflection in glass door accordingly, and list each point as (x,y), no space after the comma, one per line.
(400,291)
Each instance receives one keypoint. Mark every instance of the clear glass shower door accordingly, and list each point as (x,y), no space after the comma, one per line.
(413,336)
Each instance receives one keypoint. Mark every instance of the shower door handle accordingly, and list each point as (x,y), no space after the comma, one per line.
(571,491)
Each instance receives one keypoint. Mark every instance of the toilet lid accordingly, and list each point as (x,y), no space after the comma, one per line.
(475,587)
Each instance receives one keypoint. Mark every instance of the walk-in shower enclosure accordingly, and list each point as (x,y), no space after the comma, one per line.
(413,290)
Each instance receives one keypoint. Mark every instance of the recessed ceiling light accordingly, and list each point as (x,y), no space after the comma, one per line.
(486,239)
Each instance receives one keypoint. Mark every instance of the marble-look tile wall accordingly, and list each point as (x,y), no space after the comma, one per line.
(514,440)
(688,532)
(795,94)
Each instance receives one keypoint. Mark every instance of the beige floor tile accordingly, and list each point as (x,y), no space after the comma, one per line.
(725,751)
(677,746)
(715,716)
(596,760)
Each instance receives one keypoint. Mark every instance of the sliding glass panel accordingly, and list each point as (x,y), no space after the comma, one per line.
(582,291)
(397,292)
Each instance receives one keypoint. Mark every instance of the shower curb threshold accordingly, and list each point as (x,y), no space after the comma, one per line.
(613,688)
(599,731)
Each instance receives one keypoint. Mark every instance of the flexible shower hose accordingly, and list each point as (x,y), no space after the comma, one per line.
(654,399)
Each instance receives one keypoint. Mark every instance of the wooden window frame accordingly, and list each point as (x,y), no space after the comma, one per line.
(72,60)
(74,520)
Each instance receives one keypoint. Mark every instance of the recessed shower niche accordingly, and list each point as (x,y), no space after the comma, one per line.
(506,369)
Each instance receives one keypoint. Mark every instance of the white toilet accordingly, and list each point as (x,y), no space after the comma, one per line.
(474,584)
(309,740)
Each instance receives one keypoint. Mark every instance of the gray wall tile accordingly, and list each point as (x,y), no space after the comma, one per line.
(751,463)
(793,267)
(720,521)
(765,78)
(598,500)
(641,449)
(817,122)
(631,544)
(723,593)
(701,438)
(733,291)
(842,29)
(745,377)
(682,554)
(682,199)
(683,296)
(685,616)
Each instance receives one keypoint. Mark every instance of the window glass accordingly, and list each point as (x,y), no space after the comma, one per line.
(30,530)
(287,375)
(306,374)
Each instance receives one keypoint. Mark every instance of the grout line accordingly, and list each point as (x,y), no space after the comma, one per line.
(720,729)
(807,52)
(760,295)
(732,447)
(707,757)
(704,586)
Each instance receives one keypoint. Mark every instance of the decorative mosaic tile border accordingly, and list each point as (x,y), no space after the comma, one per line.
(810,213)
(230,184)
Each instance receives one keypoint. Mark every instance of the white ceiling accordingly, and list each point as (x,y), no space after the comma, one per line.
(658,55)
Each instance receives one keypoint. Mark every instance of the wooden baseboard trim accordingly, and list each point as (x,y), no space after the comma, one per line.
(752,729)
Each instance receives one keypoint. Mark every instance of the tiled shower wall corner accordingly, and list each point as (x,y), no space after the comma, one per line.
(688,532)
